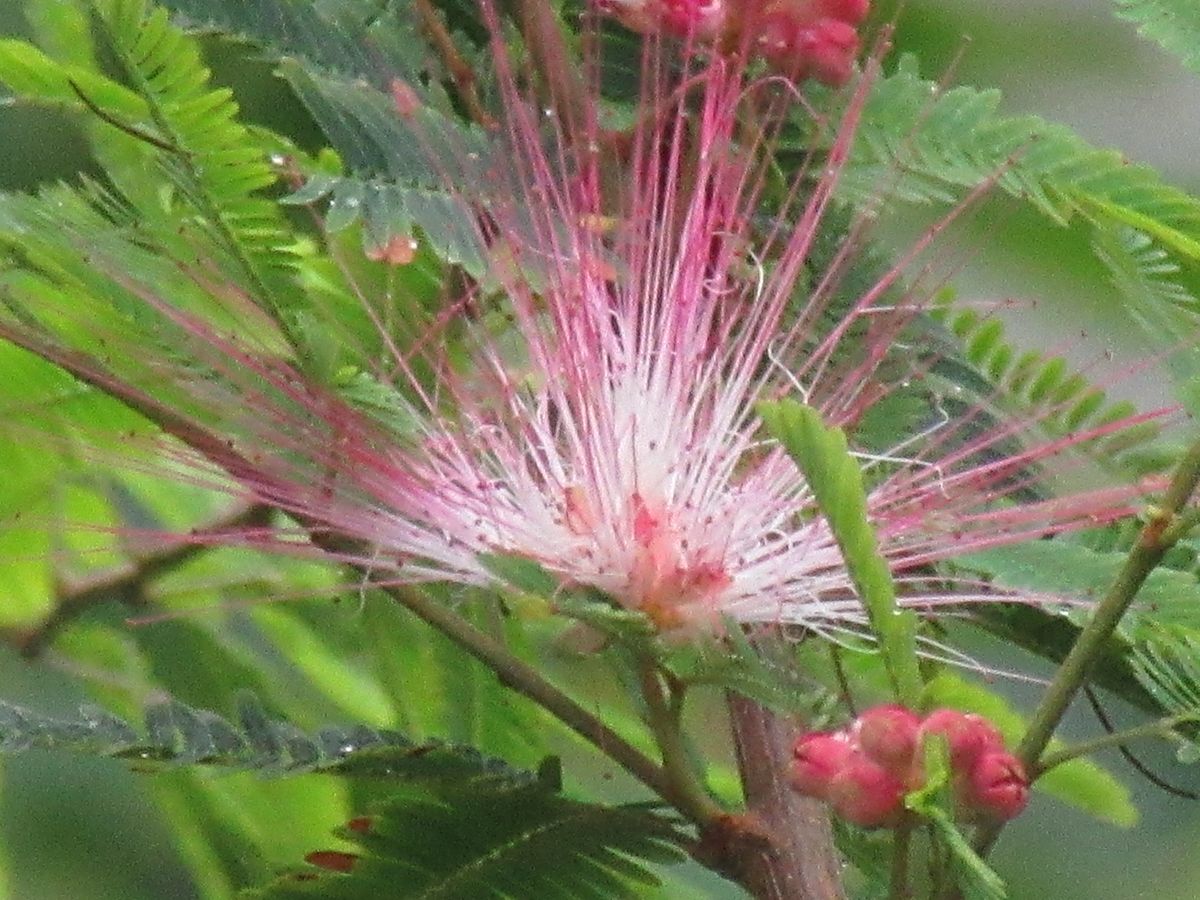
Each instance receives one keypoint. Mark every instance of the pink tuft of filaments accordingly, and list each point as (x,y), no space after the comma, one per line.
(798,38)
(595,410)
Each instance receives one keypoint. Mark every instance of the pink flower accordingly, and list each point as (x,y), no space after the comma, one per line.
(591,404)
(800,38)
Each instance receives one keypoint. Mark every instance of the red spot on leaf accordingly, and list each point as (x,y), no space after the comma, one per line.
(359,824)
(333,860)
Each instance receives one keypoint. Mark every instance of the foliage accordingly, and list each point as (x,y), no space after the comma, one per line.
(491,841)
(185,198)
(836,481)
(1173,23)
(177,735)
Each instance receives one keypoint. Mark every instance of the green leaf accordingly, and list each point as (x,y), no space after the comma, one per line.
(1167,663)
(35,77)
(1044,389)
(1159,303)
(521,573)
(1080,782)
(1174,24)
(214,161)
(976,880)
(175,734)
(1067,569)
(943,143)
(341,64)
(766,671)
(493,841)
(836,481)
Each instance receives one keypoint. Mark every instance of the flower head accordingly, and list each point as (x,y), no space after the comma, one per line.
(588,401)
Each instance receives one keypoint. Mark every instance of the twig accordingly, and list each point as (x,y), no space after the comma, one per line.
(1166,524)
(1160,729)
(694,801)
(460,70)
(128,584)
(901,850)
(514,672)
(527,681)
(1140,767)
(544,41)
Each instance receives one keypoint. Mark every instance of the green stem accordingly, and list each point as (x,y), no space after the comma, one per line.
(1160,729)
(1164,528)
(688,793)
(901,850)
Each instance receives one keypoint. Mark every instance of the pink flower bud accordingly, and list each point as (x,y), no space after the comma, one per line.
(849,11)
(865,794)
(818,757)
(824,49)
(889,735)
(968,735)
(996,787)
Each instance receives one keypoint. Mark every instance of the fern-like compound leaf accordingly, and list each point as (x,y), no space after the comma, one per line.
(496,841)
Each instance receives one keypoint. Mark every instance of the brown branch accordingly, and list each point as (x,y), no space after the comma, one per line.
(460,70)
(128,583)
(560,76)
(796,859)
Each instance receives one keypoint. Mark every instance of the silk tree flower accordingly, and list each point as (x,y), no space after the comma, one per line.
(799,38)
(589,402)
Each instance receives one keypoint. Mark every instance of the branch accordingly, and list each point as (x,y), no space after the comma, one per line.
(128,584)
(519,676)
(1161,729)
(795,858)
(544,40)
(460,70)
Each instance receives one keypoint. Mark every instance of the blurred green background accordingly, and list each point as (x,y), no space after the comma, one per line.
(77,828)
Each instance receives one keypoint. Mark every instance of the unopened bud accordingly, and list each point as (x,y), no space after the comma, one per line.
(817,758)
(889,735)
(996,788)
(865,794)
(968,736)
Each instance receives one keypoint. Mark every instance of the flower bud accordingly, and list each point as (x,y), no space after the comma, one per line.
(865,794)
(968,735)
(701,19)
(889,735)
(996,788)
(818,757)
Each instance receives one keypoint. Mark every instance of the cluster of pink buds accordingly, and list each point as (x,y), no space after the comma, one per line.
(864,770)
(799,38)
